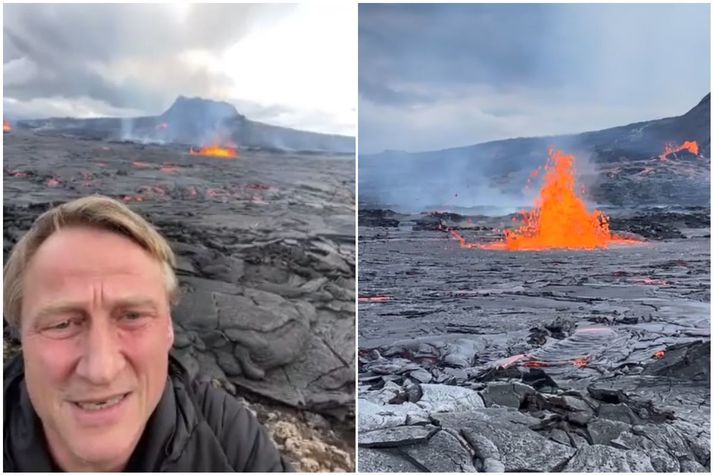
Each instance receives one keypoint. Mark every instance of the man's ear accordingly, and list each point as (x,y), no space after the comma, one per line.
(169,333)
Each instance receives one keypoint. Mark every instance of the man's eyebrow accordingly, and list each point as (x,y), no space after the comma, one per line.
(55,308)
(135,302)
(59,307)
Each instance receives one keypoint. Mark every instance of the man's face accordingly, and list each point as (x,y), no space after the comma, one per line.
(96,331)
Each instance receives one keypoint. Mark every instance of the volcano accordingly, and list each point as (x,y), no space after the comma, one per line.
(196,122)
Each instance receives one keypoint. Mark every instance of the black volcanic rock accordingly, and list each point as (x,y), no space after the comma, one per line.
(378,218)
(662,224)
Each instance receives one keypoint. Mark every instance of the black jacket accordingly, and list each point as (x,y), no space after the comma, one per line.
(195,428)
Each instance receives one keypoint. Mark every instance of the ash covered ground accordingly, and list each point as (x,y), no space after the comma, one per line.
(265,245)
(561,360)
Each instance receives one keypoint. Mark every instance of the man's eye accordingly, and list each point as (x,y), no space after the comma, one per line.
(62,329)
(132,316)
(61,325)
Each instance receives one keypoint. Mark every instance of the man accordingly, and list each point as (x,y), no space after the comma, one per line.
(88,291)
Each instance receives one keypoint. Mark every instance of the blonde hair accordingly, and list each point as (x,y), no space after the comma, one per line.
(95,211)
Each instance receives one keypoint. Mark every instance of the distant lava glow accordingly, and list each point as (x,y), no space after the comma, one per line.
(6,127)
(216,151)
(560,218)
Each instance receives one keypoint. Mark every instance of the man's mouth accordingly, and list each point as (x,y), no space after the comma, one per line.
(99,404)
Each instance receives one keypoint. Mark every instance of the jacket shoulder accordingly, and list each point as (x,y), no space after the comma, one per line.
(244,440)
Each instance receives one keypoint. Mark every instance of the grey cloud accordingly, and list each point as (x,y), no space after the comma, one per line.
(60,50)
(435,76)
(275,114)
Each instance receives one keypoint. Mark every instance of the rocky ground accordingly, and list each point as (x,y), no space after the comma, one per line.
(265,247)
(476,360)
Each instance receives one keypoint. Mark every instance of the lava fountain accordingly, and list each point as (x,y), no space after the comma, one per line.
(560,218)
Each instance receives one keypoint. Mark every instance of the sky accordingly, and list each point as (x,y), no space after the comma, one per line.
(288,65)
(440,76)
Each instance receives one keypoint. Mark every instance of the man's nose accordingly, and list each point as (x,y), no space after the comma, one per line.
(102,359)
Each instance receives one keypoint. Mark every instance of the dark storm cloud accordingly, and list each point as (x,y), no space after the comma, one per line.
(450,45)
(122,56)
(436,76)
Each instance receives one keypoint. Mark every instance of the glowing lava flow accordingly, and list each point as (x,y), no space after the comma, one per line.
(374,298)
(669,149)
(560,218)
(6,127)
(215,151)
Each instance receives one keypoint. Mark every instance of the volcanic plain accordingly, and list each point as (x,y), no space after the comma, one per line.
(476,356)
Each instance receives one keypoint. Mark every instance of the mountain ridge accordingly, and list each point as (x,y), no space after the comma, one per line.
(617,164)
(702,106)
(197,121)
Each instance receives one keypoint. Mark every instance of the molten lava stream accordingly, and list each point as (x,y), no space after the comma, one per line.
(560,218)
(374,298)
(669,149)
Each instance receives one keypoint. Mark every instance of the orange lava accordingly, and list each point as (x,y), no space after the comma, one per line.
(227,153)
(535,364)
(6,127)
(375,298)
(560,218)
(670,148)
(650,281)
(659,355)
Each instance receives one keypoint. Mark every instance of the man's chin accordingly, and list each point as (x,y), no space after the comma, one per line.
(110,453)
(101,448)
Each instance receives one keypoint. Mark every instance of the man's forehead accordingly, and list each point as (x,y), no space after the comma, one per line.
(78,249)
(86,239)
(81,265)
